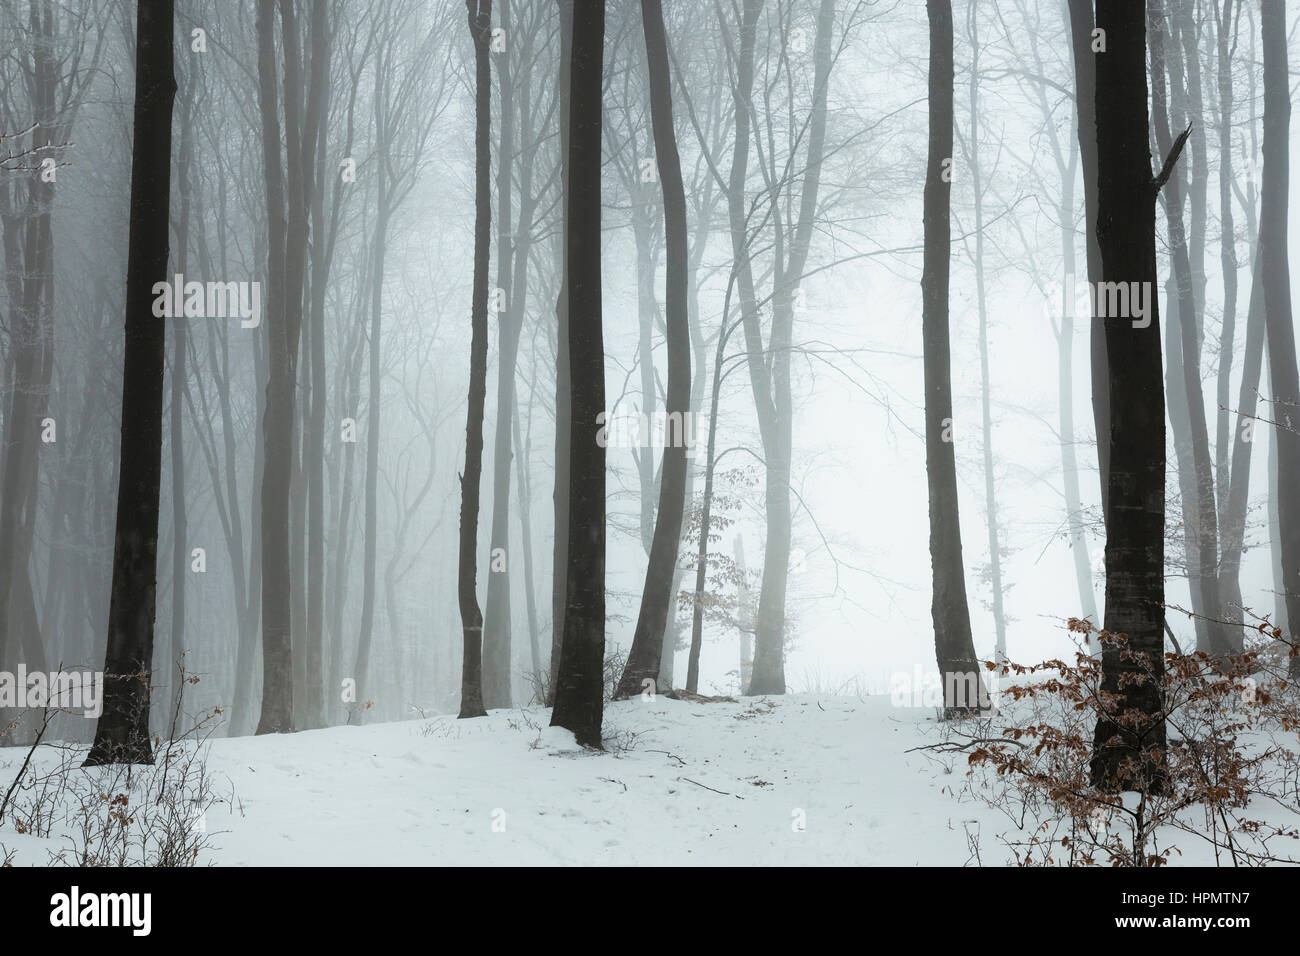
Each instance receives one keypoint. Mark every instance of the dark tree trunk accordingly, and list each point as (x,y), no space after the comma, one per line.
(954,648)
(1274,263)
(656,596)
(579,688)
(122,734)
(471,683)
(1135,518)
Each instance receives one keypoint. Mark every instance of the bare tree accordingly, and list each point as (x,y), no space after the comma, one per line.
(1135,515)
(657,596)
(579,686)
(1275,275)
(471,686)
(122,733)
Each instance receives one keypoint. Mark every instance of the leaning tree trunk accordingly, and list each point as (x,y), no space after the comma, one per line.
(1135,517)
(471,680)
(656,596)
(579,688)
(954,648)
(122,734)
(1274,263)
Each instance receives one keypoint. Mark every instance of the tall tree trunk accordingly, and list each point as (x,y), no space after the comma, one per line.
(986,412)
(579,689)
(742,275)
(122,733)
(563,383)
(1204,573)
(496,623)
(1135,517)
(1274,265)
(1085,87)
(656,595)
(277,653)
(471,685)
(1223,444)
(383,197)
(954,648)
(180,550)
(314,465)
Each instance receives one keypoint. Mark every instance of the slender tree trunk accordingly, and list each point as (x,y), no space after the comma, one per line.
(277,652)
(1204,574)
(497,624)
(1233,527)
(471,687)
(1085,86)
(1274,265)
(523,490)
(579,690)
(365,637)
(656,596)
(563,383)
(321,253)
(1227,251)
(122,733)
(986,411)
(954,648)
(180,550)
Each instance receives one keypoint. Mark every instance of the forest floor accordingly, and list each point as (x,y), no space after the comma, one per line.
(795,780)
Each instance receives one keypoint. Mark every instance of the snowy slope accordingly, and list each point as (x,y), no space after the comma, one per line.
(429,791)
(794,780)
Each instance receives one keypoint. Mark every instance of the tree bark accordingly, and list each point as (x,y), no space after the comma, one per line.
(471,683)
(1274,265)
(1135,517)
(579,689)
(954,647)
(563,383)
(656,596)
(1085,86)
(122,733)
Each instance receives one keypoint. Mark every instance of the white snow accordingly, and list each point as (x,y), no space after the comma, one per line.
(796,780)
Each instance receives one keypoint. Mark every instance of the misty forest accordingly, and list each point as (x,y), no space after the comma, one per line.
(516,432)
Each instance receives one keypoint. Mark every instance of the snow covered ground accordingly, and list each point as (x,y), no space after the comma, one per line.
(796,780)
(799,780)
